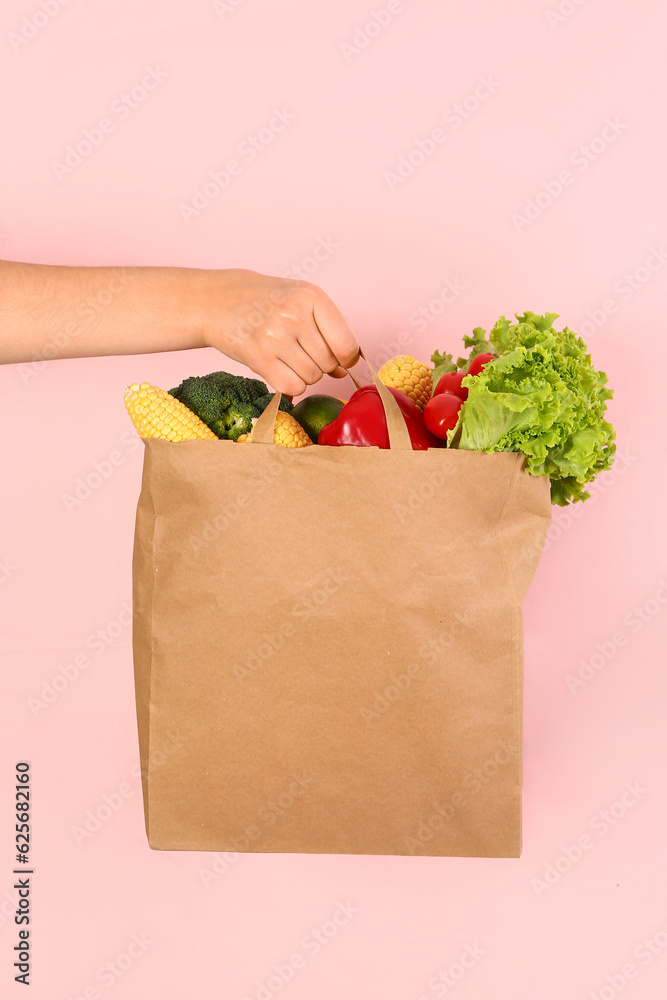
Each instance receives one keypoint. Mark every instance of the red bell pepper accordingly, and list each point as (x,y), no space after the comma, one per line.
(362,422)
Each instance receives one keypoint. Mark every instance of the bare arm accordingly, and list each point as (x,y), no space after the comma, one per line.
(288,332)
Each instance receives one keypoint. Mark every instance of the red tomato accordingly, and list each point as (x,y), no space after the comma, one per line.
(476,365)
(451,382)
(441,413)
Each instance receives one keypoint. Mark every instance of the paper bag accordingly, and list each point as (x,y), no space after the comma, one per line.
(328,644)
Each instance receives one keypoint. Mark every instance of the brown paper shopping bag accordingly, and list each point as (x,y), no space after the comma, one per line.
(328,644)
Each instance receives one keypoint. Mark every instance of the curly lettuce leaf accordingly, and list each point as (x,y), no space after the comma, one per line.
(479,344)
(444,361)
(544,398)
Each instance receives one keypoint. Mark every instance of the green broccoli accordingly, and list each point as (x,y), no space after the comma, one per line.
(226,403)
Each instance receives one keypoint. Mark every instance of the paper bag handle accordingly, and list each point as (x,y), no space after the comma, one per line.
(399,436)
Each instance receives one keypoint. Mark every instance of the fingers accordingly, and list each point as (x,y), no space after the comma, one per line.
(294,335)
(302,363)
(322,343)
(334,329)
(283,378)
(316,348)
(294,371)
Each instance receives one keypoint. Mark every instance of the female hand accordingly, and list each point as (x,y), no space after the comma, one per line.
(289,332)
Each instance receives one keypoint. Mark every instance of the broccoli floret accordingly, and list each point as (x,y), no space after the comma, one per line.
(226,403)
(263,401)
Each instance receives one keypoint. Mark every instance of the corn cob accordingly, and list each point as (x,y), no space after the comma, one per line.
(157,414)
(287,431)
(408,376)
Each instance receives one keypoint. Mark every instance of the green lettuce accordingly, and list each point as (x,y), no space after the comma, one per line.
(442,363)
(542,397)
(479,345)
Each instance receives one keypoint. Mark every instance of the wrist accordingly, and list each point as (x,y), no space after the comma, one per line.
(187,295)
(216,296)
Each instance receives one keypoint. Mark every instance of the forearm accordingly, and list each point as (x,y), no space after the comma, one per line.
(48,311)
(288,332)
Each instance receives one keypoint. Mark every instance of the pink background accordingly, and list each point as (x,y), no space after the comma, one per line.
(66,573)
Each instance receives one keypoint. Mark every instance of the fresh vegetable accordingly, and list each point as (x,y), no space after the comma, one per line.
(156,414)
(525,388)
(478,344)
(542,397)
(441,413)
(443,365)
(478,363)
(287,432)
(408,376)
(314,412)
(226,403)
(362,422)
(450,382)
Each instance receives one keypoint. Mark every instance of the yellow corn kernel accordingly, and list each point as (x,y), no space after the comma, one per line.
(157,414)
(287,431)
(409,376)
